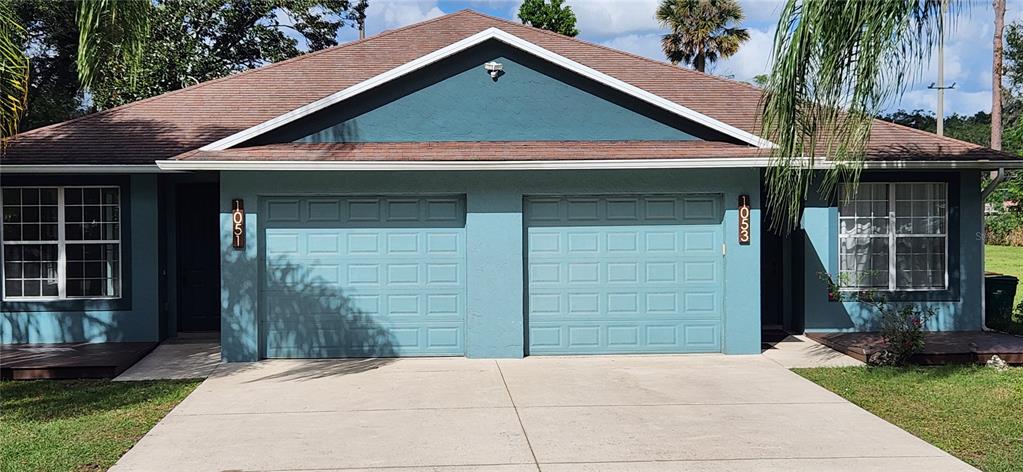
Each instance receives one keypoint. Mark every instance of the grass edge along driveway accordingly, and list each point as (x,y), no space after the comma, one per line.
(972,412)
(79,425)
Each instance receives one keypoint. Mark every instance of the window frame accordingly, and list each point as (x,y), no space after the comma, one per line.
(128,215)
(893,237)
(62,242)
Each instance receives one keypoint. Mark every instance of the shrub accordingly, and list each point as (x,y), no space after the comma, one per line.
(1004,228)
(902,330)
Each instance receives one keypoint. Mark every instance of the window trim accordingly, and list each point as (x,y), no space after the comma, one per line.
(62,242)
(124,303)
(893,237)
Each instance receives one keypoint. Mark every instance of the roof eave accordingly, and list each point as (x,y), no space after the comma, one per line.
(575,164)
(81,168)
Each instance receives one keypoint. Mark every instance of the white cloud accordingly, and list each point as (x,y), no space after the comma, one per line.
(384,15)
(610,18)
(646,45)
(762,10)
(752,59)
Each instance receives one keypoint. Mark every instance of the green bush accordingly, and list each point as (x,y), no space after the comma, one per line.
(1004,228)
(902,330)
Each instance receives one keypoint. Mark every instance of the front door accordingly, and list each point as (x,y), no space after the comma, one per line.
(198,257)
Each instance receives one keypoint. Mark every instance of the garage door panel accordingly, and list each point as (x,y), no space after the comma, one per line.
(624,274)
(364,276)
(643,337)
(345,340)
(367,212)
(568,211)
(611,306)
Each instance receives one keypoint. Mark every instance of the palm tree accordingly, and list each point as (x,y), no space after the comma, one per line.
(106,29)
(837,64)
(701,31)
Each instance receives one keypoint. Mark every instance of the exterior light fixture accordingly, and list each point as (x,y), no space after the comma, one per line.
(495,69)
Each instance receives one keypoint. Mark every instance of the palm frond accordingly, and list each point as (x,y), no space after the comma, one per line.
(111,28)
(13,75)
(837,64)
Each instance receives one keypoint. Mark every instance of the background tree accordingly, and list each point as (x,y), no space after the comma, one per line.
(190,41)
(974,128)
(701,31)
(837,64)
(51,39)
(105,30)
(551,15)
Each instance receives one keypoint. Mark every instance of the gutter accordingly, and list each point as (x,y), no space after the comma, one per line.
(80,169)
(993,184)
(564,164)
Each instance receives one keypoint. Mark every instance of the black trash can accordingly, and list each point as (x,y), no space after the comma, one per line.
(1000,290)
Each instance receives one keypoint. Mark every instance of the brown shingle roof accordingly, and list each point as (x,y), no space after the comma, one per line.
(478,151)
(184,120)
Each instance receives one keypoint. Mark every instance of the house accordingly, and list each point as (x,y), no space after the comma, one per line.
(466,186)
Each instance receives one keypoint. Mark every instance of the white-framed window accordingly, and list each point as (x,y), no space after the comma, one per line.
(893,236)
(61,242)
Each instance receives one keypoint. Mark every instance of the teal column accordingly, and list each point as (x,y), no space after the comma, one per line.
(145,255)
(239,274)
(493,227)
(969,314)
(742,271)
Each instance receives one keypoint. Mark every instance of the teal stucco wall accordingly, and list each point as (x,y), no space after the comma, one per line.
(457,100)
(140,322)
(957,309)
(494,235)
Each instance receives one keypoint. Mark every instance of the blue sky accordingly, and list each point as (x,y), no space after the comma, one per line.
(629,25)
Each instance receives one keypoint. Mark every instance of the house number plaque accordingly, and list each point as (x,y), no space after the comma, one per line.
(745,233)
(238,223)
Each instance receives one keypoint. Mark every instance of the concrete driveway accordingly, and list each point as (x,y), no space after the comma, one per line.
(637,413)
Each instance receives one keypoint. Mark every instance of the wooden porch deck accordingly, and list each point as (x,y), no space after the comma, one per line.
(69,360)
(953,347)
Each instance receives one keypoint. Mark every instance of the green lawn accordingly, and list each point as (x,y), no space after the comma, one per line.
(1005,260)
(79,425)
(973,412)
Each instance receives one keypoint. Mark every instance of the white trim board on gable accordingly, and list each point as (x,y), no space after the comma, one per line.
(454,48)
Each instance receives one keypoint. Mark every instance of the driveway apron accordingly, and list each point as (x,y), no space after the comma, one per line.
(621,413)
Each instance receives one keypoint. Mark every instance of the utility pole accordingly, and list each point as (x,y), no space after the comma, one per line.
(996,77)
(940,85)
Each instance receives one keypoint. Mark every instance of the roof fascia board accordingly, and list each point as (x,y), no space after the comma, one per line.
(80,169)
(688,163)
(461,45)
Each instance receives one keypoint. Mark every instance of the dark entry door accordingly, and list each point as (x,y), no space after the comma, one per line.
(198,257)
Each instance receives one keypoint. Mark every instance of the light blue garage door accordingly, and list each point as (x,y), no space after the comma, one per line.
(363,276)
(625,274)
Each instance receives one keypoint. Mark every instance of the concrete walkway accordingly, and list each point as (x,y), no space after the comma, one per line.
(800,351)
(176,359)
(636,413)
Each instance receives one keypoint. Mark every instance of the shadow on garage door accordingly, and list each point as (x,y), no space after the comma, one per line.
(363,276)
